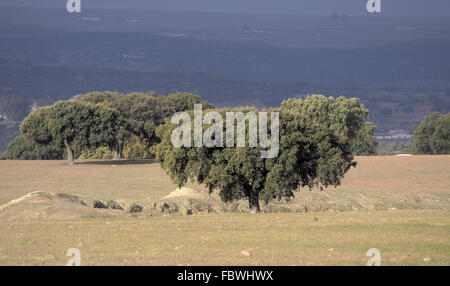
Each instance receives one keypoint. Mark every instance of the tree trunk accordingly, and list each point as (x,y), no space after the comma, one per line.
(69,152)
(119,151)
(253,202)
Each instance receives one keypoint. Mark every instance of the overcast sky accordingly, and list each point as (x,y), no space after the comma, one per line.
(414,8)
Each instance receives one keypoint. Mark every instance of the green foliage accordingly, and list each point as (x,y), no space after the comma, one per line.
(181,101)
(73,124)
(364,143)
(22,149)
(137,148)
(35,126)
(82,125)
(98,122)
(346,117)
(311,154)
(106,97)
(432,135)
(100,153)
(134,148)
(143,113)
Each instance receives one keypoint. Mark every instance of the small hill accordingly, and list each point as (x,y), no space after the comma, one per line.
(47,205)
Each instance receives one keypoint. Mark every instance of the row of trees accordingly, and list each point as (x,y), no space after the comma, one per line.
(106,119)
(106,125)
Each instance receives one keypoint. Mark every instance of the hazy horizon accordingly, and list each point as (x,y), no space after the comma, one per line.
(396,8)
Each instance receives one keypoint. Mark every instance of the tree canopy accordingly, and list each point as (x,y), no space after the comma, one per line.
(346,116)
(432,135)
(74,125)
(103,119)
(21,149)
(310,154)
(142,112)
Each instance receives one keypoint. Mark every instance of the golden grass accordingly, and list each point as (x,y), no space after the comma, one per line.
(130,180)
(424,174)
(144,179)
(403,237)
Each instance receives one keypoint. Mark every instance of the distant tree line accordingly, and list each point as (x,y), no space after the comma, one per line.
(97,124)
(432,135)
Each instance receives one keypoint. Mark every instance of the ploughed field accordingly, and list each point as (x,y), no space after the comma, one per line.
(130,213)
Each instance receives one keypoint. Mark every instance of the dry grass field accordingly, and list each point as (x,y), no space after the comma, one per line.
(415,174)
(399,205)
(404,238)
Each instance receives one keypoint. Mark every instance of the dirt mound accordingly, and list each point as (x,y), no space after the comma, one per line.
(42,205)
(186,193)
(42,197)
(186,201)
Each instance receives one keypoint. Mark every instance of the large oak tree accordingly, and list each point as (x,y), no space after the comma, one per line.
(310,154)
(73,125)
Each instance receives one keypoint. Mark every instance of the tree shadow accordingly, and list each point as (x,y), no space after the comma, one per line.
(118,162)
